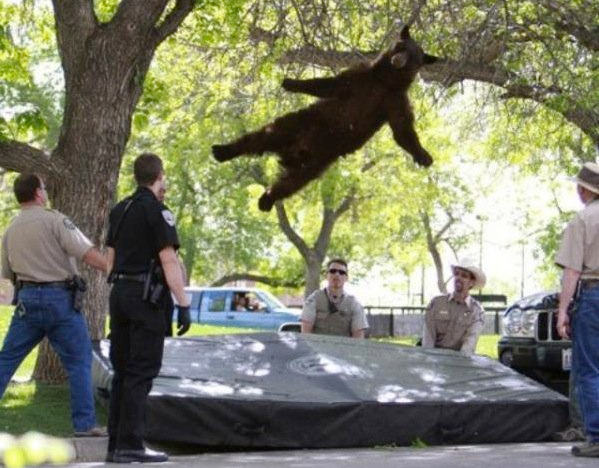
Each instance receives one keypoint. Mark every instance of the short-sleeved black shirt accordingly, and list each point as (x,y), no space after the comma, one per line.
(147,227)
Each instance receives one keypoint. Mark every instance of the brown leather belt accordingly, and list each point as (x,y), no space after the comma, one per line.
(589,283)
(48,284)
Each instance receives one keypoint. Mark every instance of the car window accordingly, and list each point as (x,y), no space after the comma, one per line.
(269,300)
(256,303)
(214,301)
(194,298)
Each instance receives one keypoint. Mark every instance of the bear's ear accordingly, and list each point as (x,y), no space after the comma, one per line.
(404,34)
(428,59)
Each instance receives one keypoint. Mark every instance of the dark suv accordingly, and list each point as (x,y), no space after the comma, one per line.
(530,343)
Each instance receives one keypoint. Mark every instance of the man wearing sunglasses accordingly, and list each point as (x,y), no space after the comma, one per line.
(455,321)
(331,311)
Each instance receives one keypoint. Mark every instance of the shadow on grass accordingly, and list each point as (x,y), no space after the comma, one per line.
(32,406)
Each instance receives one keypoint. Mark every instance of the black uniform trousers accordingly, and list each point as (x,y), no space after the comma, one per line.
(137,331)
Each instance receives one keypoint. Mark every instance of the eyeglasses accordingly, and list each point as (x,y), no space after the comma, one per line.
(332,271)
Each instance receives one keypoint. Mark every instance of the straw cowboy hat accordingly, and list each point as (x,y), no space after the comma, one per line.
(588,177)
(480,278)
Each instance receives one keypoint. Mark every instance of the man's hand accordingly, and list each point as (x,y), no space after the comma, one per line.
(563,325)
(183,319)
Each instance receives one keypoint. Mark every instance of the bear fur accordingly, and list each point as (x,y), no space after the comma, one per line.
(352,107)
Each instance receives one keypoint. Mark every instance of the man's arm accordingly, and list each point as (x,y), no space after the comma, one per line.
(95,259)
(473,333)
(570,278)
(6,269)
(309,313)
(109,259)
(173,274)
(359,324)
(428,329)
(307,327)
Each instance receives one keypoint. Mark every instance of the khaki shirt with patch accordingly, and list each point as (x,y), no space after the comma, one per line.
(579,248)
(42,245)
(453,325)
(349,318)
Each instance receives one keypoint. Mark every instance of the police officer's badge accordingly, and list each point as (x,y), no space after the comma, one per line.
(69,224)
(168,217)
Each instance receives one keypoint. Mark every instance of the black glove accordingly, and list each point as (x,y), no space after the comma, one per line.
(183,319)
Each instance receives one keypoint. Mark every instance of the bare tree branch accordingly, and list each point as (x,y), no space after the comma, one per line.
(19,157)
(289,232)
(174,19)
(257,278)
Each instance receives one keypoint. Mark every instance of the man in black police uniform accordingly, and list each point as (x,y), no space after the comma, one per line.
(142,241)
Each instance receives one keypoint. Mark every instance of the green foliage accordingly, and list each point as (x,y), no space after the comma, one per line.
(31,90)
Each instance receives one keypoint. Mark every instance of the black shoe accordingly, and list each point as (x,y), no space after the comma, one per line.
(109,456)
(588,449)
(141,456)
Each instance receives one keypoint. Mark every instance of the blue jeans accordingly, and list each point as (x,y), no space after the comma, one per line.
(49,312)
(585,360)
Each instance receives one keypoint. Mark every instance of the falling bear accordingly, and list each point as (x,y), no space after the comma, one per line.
(352,107)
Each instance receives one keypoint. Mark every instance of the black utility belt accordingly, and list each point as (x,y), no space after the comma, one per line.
(48,284)
(589,283)
(139,277)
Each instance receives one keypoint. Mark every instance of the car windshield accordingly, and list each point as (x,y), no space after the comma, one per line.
(270,300)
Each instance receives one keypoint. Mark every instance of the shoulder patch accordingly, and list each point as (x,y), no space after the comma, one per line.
(168,217)
(68,224)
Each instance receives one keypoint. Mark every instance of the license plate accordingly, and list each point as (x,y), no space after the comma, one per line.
(566,359)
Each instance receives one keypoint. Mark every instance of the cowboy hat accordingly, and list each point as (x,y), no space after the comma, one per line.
(588,177)
(480,278)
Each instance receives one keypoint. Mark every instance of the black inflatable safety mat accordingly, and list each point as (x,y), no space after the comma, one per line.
(287,390)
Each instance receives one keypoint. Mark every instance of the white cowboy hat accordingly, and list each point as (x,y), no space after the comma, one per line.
(588,177)
(480,279)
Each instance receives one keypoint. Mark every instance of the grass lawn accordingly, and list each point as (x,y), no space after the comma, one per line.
(486,346)
(27,405)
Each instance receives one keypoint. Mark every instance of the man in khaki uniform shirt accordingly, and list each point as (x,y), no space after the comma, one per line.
(330,311)
(456,320)
(578,255)
(39,253)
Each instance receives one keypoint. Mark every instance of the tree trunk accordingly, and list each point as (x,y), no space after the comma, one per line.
(95,131)
(313,266)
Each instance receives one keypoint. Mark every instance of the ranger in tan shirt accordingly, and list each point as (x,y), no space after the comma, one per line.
(455,321)
(578,255)
(331,311)
(39,253)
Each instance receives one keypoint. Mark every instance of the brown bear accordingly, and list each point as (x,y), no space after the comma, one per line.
(352,107)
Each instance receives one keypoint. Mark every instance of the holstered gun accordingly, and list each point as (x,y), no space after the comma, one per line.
(575,298)
(78,287)
(154,284)
(17,285)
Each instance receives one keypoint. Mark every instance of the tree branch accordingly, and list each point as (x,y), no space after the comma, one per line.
(174,19)
(257,278)
(329,219)
(19,157)
(570,23)
(75,22)
(138,16)
(285,226)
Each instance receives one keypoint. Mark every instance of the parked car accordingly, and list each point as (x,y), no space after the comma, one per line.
(239,307)
(530,343)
